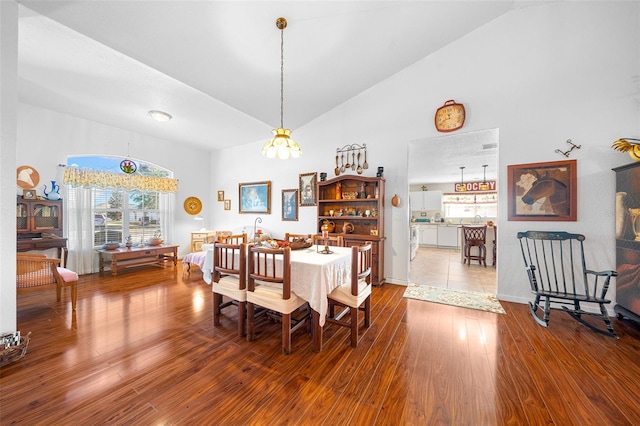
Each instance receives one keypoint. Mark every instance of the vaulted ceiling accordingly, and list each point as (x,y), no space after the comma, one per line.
(215,65)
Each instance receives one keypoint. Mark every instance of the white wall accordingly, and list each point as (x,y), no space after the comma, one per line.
(57,136)
(541,75)
(8,135)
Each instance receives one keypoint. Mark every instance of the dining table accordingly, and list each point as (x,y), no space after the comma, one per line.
(314,274)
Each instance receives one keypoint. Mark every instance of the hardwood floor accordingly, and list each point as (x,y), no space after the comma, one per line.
(141,349)
(440,267)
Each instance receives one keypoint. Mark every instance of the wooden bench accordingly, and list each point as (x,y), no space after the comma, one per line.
(34,270)
(557,273)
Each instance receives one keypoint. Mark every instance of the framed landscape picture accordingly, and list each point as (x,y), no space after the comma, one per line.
(308,189)
(543,191)
(290,204)
(255,197)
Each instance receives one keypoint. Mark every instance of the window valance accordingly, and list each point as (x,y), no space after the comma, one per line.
(89,178)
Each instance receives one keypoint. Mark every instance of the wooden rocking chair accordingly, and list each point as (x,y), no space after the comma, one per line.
(557,273)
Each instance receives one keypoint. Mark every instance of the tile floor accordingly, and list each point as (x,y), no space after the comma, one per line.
(443,268)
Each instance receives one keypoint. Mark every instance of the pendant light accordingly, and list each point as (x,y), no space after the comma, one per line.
(462,187)
(281,146)
(484,186)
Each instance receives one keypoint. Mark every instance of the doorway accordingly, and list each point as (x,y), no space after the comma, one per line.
(440,163)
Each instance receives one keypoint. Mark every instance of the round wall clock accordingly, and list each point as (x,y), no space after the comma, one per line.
(27,177)
(193,205)
(450,116)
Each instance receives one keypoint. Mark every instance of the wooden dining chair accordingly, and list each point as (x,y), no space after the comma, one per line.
(33,270)
(229,279)
(475,236)
(296,237)
(355,294)
(269,286)
(233,239)
(334,241)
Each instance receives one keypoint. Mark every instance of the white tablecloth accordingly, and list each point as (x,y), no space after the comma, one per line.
(313,275)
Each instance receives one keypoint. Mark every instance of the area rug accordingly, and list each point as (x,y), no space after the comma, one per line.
(460,298)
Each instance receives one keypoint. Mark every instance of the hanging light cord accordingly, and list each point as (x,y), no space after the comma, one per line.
(282,78)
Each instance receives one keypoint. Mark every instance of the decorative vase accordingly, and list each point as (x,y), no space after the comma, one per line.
(54,194)
(623,217)
(328,226)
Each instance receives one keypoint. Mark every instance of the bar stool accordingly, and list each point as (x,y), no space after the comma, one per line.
(475,236)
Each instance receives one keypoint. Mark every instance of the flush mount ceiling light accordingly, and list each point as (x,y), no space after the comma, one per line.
(484,186)
(462,187)
(160,116)
(281,146)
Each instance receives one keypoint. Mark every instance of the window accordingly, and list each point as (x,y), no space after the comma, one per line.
(470,205)
(119,213)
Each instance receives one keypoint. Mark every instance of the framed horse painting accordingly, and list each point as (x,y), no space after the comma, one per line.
(543,191)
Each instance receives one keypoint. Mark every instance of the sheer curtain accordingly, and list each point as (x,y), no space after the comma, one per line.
(79,225)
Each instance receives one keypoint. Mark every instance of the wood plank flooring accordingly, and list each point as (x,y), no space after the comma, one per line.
(141,349)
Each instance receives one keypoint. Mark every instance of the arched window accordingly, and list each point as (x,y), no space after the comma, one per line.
(106,202)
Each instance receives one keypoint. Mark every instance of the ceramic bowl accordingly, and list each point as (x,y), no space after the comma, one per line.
(111,245)
(155,241)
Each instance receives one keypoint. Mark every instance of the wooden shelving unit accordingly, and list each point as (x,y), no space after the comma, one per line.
(357,200)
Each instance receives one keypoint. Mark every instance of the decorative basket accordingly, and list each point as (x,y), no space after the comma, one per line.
(155,241)
(297,245)
(14,353)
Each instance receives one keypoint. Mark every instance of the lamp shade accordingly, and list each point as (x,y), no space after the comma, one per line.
(281,146)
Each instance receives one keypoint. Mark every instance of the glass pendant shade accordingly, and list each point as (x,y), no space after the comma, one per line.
(281,146)
(484,186)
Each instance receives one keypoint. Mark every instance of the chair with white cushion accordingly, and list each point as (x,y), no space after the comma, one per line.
(233,239)
(335,241)
(355,294)
(33,270)
(229,279)
(269,286)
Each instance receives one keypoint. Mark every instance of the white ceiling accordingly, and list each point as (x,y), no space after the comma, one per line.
(215,65)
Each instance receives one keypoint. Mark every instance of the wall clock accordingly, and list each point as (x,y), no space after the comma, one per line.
(193,205)
(450,116)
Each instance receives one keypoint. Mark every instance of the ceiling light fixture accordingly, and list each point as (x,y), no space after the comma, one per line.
(281,146)
(484,186)
(462,187)
(160,116)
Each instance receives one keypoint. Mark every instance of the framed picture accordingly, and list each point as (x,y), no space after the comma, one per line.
(543,191)
(227,204)
(29,194)
(290,204)
(255,197)
(221,196)
(308,189)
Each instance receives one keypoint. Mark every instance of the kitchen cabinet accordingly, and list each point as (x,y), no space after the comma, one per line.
(428,235)
(448,236)
(359,202)
(426,200)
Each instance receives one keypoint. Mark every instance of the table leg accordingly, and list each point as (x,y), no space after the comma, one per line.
(100,263)
(114,265)
(317,332)
(175,257)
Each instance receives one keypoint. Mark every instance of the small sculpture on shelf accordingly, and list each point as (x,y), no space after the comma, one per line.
(129,242)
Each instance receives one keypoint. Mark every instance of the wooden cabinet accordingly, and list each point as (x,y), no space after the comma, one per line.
(39,226)
(627,244)
(200,237)
(357,201)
